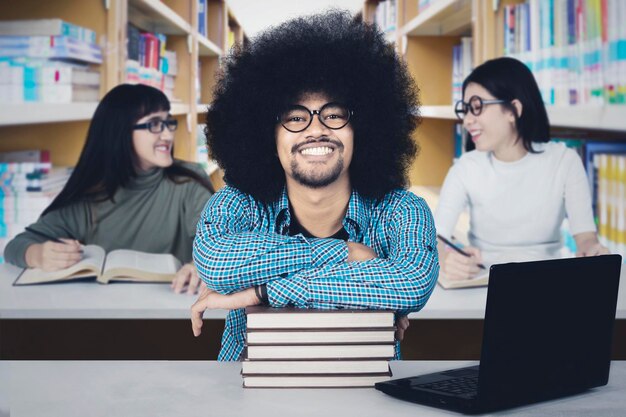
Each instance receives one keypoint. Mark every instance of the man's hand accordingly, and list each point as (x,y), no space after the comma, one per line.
(187,275)
(210,299)
(52,256)
(458,267)
(401,325)
(360,252)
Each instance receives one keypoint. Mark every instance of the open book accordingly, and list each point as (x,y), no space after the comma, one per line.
(118,265)
(479,280)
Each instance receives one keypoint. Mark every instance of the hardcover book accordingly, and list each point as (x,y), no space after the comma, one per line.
(315,381)
(314,336)
(321,352)
(260,317)
(309,367)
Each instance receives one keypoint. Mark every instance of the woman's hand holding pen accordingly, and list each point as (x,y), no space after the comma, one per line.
(456,266)
(52,256)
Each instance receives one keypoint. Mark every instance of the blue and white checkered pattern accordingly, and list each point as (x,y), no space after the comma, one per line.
(241,243)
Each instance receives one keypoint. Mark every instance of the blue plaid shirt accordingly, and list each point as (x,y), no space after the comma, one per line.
(241,243)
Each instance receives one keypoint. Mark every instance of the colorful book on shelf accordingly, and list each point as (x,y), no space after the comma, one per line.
(117,265)
(610,200)
(259,317)
(316,336)
(314,381)
(46,27)
(574,48)
(53,47)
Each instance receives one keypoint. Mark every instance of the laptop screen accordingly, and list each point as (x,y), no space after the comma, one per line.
(548,329)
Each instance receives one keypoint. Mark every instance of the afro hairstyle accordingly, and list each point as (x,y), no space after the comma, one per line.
(332,53)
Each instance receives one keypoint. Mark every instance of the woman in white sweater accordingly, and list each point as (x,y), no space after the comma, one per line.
(517,185)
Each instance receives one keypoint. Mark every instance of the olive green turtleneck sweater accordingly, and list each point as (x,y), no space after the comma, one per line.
(152,214)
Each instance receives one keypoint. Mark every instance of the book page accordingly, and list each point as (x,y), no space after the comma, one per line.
(478,280)
(130,265)
(89,266)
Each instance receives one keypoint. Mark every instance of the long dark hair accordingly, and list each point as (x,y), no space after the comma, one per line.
(107,161)
(331,53)
(509,79)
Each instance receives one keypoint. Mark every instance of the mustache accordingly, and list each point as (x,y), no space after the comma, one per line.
(324,139)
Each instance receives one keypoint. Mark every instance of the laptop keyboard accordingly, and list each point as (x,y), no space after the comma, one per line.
(456,386)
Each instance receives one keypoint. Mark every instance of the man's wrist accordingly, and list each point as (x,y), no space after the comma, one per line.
(261,293)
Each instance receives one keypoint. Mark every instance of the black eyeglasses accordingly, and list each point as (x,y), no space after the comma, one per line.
(158,125)
(474,105)
(298,118)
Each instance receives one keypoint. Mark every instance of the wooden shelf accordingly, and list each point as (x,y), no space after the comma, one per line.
(155,16)
(442,17)
(438,112)
(207,48)
(202,108)
(586,117)
(179,109)
(575,117)
(36,113)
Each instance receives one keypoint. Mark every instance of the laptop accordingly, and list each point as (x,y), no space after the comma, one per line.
(547,333)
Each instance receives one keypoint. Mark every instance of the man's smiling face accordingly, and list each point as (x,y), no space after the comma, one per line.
(317,156)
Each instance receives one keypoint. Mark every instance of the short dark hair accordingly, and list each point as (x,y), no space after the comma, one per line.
(107,160)
(509,79)
(332,53)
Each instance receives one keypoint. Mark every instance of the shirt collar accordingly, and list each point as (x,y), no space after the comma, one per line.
(355,220)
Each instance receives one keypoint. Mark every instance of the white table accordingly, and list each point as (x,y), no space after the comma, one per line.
(89,300)
(82,313)
(203,388)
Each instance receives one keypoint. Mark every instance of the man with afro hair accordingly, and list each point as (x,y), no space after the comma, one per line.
(311,123)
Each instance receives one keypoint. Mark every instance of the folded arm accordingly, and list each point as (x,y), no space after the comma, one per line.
(315,273)
(230,255)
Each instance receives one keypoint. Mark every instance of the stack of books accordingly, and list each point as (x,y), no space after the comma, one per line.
(47,60)
(289,347)
(149,63)
(28,184)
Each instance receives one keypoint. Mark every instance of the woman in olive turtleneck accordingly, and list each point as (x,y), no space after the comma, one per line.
(126,192)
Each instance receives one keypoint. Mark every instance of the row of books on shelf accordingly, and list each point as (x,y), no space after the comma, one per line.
(575,48)
(606,170)
(47,27)
(290,347)
(386,15)
(48,60)
(149,62)
(28,184)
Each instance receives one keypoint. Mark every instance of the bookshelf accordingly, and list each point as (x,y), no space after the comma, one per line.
(426,38)
(62,127)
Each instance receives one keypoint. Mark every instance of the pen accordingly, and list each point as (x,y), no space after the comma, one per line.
(456,248)
(42,234)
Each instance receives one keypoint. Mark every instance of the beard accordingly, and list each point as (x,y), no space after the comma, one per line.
(316,179)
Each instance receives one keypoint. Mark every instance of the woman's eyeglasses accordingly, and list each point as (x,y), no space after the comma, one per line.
(158,125)
(475,106)
(298,118)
